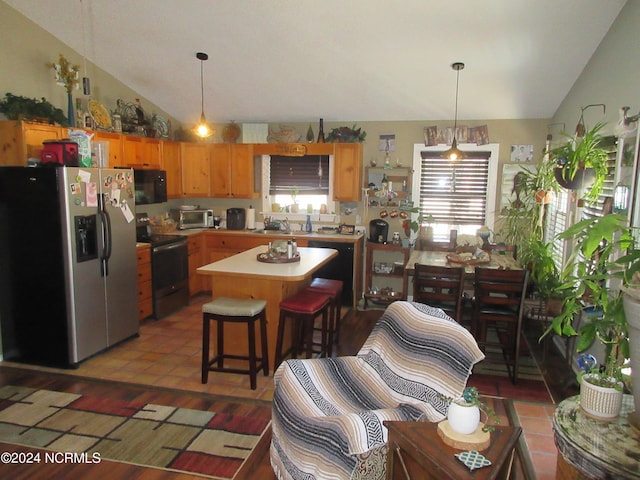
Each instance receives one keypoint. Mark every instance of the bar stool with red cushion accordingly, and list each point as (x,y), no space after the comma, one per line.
(332,288)
(235,310)
(303,308)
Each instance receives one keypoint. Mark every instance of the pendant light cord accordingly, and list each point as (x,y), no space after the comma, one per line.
(202,85)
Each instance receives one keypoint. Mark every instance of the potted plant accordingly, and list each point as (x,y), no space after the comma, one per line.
(591,282)
(582,163)
(464,412)
(412,226)
(294,194)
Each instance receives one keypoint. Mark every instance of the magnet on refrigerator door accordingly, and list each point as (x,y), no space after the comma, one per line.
(91,194)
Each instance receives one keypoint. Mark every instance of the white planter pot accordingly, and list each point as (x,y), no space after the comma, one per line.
(463,418)
(601,402)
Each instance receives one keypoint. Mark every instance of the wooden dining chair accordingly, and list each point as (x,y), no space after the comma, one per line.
(499,301)
(439,287)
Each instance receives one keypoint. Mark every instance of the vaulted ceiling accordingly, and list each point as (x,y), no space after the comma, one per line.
(348,60)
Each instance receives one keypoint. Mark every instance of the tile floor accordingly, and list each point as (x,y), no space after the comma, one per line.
(536,420)
(168,354)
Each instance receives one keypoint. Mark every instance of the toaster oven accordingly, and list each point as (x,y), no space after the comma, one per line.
(193,218)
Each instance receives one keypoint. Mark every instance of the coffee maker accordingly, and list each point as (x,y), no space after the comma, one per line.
(378,231)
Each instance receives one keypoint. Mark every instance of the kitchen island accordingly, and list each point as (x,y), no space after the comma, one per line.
(243,276)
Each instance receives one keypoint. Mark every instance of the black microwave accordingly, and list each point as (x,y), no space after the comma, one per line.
(150,186)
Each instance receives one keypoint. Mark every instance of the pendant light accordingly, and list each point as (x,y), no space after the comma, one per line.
(454,153)
(202,129)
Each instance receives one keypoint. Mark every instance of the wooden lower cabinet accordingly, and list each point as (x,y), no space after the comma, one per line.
(145,302)
(197,283)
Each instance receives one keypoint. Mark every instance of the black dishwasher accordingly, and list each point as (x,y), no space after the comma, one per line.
(339,268)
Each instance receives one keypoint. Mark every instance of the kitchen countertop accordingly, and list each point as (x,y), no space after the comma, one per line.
(246,265)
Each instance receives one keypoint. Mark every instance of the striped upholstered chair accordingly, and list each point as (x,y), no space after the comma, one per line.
(328,413)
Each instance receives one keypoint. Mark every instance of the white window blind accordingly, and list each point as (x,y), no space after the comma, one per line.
(309,174)
(454,193)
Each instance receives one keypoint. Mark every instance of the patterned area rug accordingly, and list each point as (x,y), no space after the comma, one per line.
(182,439)
(491,377)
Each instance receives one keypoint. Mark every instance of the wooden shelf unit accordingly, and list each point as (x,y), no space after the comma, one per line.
(397,272)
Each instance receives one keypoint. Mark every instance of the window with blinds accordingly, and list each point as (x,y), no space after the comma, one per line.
(309,174)
(454,193)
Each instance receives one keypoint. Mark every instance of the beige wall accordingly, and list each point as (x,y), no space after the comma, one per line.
(611,76)
(25,49)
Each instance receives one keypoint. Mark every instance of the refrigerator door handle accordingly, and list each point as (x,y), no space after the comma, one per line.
(106,237)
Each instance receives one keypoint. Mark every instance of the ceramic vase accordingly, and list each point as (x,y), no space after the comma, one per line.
(463,418)
(70,109)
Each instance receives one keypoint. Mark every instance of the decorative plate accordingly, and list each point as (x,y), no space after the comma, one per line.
(161,126)
(99,114)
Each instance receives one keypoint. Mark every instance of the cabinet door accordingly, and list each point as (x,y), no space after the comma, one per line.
(152,152)
(171,162)
(133,151)
(35,134)
(347,172)
(141,152)
(242,171)
(195,169)
(114,140)
(220,170)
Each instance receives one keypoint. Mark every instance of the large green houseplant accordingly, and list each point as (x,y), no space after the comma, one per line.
(582,162)
(604,254)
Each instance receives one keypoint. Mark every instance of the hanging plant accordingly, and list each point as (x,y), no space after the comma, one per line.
(582,163)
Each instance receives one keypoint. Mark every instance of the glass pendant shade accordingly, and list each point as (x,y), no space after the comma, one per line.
(202,129)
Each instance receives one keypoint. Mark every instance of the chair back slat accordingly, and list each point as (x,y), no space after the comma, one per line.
(439,287)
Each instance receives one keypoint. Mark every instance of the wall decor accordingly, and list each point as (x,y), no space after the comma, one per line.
(521,153)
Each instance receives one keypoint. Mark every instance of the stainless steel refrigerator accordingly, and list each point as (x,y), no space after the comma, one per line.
(68,285)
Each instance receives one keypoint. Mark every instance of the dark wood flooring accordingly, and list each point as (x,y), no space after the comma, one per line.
(355,329)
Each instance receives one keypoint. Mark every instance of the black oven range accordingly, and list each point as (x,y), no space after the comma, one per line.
(169,268)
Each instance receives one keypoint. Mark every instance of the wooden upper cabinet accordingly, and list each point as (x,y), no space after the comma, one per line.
(171,162)
(347,172)
(233,171)
(195,169)
(141,152)
(114,140)
(20,140)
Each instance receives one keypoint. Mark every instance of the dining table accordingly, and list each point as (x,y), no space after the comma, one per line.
(498,260)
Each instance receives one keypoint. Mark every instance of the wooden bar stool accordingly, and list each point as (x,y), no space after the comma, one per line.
(302,308)
(235,310)
(332,288)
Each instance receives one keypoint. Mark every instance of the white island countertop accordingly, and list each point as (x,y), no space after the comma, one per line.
(246,265)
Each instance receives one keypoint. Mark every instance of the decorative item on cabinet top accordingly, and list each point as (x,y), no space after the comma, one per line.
(231,132)
(346,135)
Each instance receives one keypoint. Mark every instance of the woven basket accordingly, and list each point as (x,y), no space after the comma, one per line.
(167,227)
(600,402)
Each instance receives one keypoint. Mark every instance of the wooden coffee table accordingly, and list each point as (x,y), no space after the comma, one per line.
(416,452)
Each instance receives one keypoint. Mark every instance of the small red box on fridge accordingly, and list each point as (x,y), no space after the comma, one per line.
(62,152)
